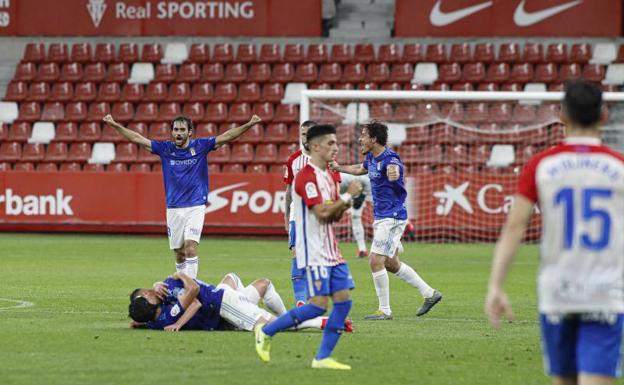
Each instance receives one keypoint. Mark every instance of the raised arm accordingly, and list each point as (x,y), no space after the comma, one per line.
(127,133)
(353,169)
(191,289)
(235,132)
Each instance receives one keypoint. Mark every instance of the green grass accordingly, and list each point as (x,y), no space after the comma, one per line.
(76,332)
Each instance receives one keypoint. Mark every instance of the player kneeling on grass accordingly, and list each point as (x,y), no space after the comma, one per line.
(183,303)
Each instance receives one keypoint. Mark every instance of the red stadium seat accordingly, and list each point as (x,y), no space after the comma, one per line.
(48,72)
(389,53)
(249,92)
(216,112)
(548,112)
(29,111)
(225,92)
(557,53)
(151,53)
(272,92)
(116,167)
(270,53)
(462,87)
(341,53)
(195,111)
(435,53)
(165,73)
(293,138)
(330,73)
(179,92)
(159,131)
(593,72)
(62,92)
(10,151)
(254,135)
(147,157)
(497,73)
(488,87)
(484,53)
(212,72)
(85,92)
(79,152)
(500,112)
(220,155)
(306,73)
(478,112)
(509,53)
(97,111)
(123,111)
(104,53)
(71,72)
(96,72)
(46,167)
(25,72)
(146,112)
(412,53)
(364,53)
(109,92)
(239,113)
(189,73)
(57,53)
(16,91)
(235,73)
(81,53)
(322,86)
(140,167)
(126,152)
(545,73)
(89,132)
(66,132)
(581,53)
(449,73)
(109,134)
(128,53)
(512,87)
(117,72)
(34,53)
(474,72)
(5,166)
(53,112)
(242,153)
(223,53)
(378,73)
(460,53)
(438,86)
(401,73)
(266,153)
(206,130)
(391,87)
(156,92)
(199,53)
(264,110)
(453,111)
(282,73)
(293,53)
(212,169)
(257,169)
(93,168)
(25,166)
(246,53)
(201,92)
(523,113)
(259,73)
(381,111)
(521,73)
(317,53)
(286,113)
(533,53)
(431,154)
(276,133)
(19,132)
(234,168)
(354,73)
(569,72)
(168,111)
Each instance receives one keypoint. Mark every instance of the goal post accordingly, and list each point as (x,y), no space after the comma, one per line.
(463,150)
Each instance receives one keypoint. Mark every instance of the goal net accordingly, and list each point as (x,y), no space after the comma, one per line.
(463,151)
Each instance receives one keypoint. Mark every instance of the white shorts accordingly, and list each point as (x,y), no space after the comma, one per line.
(387,235)
(238,311)
(185,223)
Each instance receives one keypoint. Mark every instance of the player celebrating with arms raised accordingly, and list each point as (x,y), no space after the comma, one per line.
(579,186)
(185,173)
(317,205)
(385,170)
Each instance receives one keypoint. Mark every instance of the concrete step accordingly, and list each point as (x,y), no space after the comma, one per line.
(359,34)
(356,2)
(351,24)
(355,16)
(366,8)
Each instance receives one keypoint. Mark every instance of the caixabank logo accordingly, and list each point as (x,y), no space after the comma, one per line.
(57,204)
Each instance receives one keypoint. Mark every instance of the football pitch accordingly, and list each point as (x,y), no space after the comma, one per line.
(64,299)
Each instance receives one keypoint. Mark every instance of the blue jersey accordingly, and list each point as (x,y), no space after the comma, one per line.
(388,197)
(185,171)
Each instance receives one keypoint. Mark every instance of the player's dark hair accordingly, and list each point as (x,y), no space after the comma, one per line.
(141,310)
(582,103)
(309,124)
(134,293)
(320,130)
(378,131)
(181,118)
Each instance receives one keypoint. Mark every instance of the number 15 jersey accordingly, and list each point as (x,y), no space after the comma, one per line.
(579,186)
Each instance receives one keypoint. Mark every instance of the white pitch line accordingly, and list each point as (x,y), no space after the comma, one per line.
(18,304)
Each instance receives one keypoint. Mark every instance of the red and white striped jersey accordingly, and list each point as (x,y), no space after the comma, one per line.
(579,186)
(296,161)
(316,240)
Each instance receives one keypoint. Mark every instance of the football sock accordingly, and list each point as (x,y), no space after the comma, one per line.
(333,328)
(410,276)
(192,264)
(298,282)
(292,318)
(181,267)
(251,293)
(382,287)
(358,232)
(314,323)
(273,301)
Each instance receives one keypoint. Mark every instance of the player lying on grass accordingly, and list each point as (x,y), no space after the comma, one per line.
(183,303)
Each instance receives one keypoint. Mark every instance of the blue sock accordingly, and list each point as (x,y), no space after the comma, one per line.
(293,317)
(299,282)
(333,328)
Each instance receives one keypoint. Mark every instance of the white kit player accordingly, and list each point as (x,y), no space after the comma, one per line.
(185,173)
(359,235)
(579,186)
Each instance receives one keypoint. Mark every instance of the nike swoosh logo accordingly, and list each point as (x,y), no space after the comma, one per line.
(523,18)
(440,19)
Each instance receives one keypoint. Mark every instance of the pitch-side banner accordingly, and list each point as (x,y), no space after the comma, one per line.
(452,18)
(160,17)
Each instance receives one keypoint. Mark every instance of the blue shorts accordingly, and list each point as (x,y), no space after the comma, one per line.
(292,236)
(579,343)
(323,281)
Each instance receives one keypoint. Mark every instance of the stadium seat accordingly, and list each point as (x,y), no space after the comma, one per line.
(5,166)
(282,73)
(501,155)
(293,53)
(24,166)
(557,53)
(212,168)
(32,152)
(140,127)
(569,71)
(484,53)
(259,73)
(500,112)
(614,74)
(425,73)
(306,73)
(509,53)
(367,86)
(62,92)
(593,72)
(116,167)
(326,86)
(70,167)
(224,127)
(266,153)
(66,132)
(216,112)
(378,73)
(292,93)
(460,53)
(128,53)
(264,110)
(165,73)
(497,73)
(270,53)
(109,134)
(84,92)
(142,73)
(431,154)
(175,53)
(34,53)
(48,72)
(104,53)
(146,112)
(199,53)
(79,152)
(201,92)
(123,111)
(89,132)
(29,112)
(93,168)
(354,73)
(205,130)
(156,92)
(223,53)
(405,113)
(473,72)
(235,73)
(189,73)
(381,111)
(151,53)
(246,53)
(25,72)
(453,111)
(96,72)
(220,155)
(9,111)
(225,92)
(523,114)
(126,152)
(511,87)
(249,92)
(317,53)
(477,112)
(401,73)
(257,169)
(159,131)
(140,167)
(254,135)
(117,72)
(285,150)
(389,53)
(330,73)
(195,111)
(546,73)
(580,53)
(435,53)
(276,133)
(392,86)
(364,53)
(341,53)
(19,132)
(46,167)
(213,72)
(293,138)
(239,113)
(449,73)
(168,111)
(412,53)
(147,157)
(604,53)
(533,53)
(81,53)
(42,132)
(71,72)
(57,53)
(179,92)
(38,92)
(109,92)
(233,168)
(521,73)
(286,113)
(10,152)
(97,111)
(548,112)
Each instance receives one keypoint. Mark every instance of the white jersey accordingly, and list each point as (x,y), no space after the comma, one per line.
(346,179)
(579,186)
(296,161)
(316,241)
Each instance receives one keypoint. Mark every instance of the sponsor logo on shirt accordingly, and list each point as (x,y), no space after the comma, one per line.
(183,162)
(175,311)
(193,151)
(310,189)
